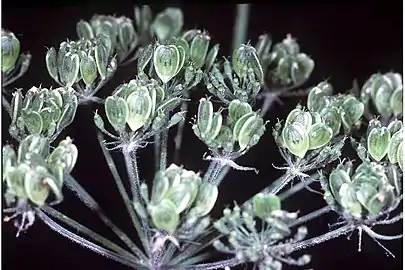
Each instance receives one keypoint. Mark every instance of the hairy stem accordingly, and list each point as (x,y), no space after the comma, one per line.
(318,239)
(157,151)
(133,174)
(120,185)
(180,129)
(86,231)
(85,243)
(310,216)
(86,198)
(213,171)
(241,25)
(163,150)
(296,188)
(279,184)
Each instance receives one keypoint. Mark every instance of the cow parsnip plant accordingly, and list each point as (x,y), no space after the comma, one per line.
(171,215)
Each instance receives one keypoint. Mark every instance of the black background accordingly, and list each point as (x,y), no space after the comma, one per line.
(346,41)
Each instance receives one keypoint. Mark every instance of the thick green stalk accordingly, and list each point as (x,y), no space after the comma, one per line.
(241,25)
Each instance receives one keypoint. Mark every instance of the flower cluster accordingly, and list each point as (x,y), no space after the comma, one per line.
(284,63)
(119,30)
(370,190)
(35,171)
(140,109)
(249,242)
(42,111)
(240,131)
(178,196)
(386,142)
(86,65)
(13,63)
(385,93)
(241,79)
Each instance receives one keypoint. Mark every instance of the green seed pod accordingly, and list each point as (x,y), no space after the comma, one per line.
(381,201)
(319,136)
(168,23)
(68,112)
(395,179)
(253,126)
(245,57)
(35,187)
(143,17)
(102,54)
(47,116)
(396,102)
(116,109)
(301,68)
(84,30)
(332,119)
(382,100)
(265,204)
(205,200)
(33,122)
(98,121)
(316,97)
(211,57)
(56,97)
(236,109)
(316,118)
(296,139)
(300,116)
(364,194)
(169,105)
(166,60)
(145,57)
(377,142)
(10,51)
(393,145)
(160,187)
(348,199)
(263,45)
(65,155)
(204,116)
(51,63)
(88,69)
(140,109)
(216,125)
(400,155)
(164,216)
(239,124)
(189,35)
(15,179)
(33,143)
(394,126)
(182,195)
(181,42)
(199,49)
(69,70)
(182,59)
(353,108)
(126,33)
